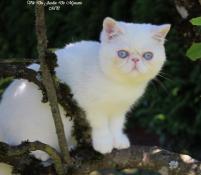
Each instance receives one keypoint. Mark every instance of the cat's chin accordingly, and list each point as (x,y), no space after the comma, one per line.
(135,72)
(135,76)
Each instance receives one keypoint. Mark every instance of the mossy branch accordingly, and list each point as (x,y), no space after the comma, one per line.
(144,157)
(48,81)
(11,154)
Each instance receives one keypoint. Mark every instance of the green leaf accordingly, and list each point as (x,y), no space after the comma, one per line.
(160,117)
(194,52)
(52,49)
(196,21)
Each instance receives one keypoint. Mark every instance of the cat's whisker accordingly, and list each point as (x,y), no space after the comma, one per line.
(157,80)
(164,73)
(161,84)
(162,76)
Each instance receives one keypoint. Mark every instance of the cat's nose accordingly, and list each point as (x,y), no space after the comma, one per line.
(135,60)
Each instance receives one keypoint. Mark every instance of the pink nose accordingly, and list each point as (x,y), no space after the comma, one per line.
(135,60)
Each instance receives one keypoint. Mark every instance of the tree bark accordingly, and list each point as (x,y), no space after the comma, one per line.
(48,81)
(13,154)
(144,157)
(148,158)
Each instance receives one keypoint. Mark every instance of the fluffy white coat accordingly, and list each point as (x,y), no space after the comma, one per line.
(104,84)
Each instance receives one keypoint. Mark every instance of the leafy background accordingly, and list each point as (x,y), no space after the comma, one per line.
(169,114)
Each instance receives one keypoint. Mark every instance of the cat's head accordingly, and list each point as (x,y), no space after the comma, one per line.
(132,52)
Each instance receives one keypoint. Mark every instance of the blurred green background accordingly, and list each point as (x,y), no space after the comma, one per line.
(169,114)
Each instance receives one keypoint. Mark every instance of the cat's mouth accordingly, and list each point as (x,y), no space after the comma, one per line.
(135,68)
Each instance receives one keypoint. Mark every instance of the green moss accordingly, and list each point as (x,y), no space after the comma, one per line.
(3,84)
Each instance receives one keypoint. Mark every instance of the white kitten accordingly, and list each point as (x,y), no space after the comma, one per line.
(106,79)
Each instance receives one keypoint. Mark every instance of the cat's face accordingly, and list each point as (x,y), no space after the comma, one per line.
(132,52)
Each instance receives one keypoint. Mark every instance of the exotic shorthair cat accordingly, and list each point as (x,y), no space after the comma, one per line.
(106,78)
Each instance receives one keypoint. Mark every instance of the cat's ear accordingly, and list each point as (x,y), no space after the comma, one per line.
(111,29)
(160,32)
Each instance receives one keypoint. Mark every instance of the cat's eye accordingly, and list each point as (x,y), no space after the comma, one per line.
(123,53)
(148,55)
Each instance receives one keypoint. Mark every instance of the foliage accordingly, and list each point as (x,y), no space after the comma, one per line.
(196,21)
(171,107)
(194,52)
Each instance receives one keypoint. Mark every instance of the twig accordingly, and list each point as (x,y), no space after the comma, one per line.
(26,147)
(49,82)
(18,61)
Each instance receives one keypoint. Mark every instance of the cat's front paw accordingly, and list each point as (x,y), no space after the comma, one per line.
(102,144)
(121,142)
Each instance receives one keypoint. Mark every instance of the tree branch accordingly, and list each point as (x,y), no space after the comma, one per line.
(11,154)
(143,157)
(148,158)
(49,82)
(18,61)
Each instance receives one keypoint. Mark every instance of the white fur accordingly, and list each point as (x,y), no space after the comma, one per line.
(103,84)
